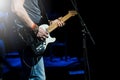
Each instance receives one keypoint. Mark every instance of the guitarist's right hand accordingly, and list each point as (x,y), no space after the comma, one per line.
(42,34)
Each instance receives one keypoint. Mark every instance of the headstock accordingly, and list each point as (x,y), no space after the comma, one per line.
(72,13)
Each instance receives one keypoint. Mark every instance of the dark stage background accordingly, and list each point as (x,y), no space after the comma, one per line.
(66,58)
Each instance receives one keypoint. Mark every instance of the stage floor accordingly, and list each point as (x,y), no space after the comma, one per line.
(56,68)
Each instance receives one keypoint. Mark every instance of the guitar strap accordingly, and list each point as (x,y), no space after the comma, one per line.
(44,19)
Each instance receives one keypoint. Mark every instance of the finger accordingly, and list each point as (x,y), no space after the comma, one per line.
(59,18)
(61,23)
(46,34)
(42,39)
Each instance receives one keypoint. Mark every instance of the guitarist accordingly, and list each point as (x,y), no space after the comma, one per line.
(27,15)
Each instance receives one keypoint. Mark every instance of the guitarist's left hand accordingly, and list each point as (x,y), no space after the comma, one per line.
(58,21)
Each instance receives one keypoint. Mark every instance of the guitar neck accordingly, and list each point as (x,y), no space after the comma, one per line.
(54,26)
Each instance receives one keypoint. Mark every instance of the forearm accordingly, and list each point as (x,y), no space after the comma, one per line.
(19,10)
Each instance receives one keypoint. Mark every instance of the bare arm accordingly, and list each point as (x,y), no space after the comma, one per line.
(19,10)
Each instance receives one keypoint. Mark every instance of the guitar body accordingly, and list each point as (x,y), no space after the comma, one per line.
(40,46)
(35,44)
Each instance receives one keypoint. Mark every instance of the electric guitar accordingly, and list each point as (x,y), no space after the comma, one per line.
(39,46)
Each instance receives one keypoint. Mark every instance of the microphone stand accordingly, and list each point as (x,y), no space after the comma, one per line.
(84,32)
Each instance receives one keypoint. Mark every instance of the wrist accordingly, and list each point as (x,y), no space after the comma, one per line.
(34,26)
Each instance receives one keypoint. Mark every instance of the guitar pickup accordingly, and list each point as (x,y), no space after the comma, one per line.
(40,49)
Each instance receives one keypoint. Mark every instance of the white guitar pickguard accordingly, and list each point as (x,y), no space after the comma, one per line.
(49,39)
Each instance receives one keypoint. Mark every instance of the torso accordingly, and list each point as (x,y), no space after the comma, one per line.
(33,10)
